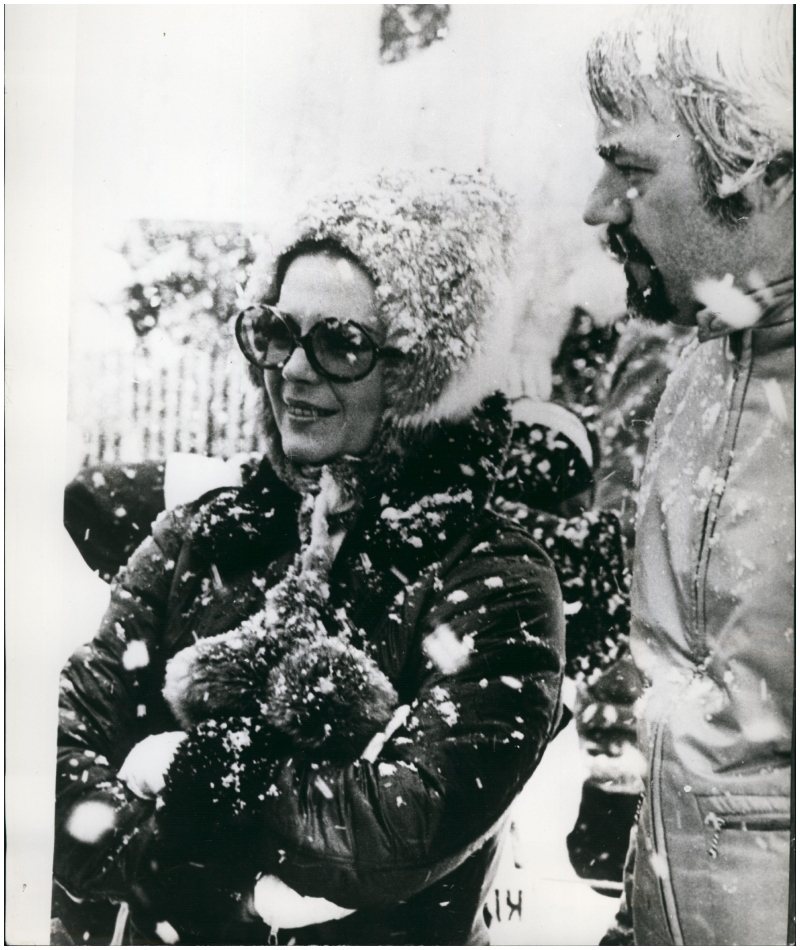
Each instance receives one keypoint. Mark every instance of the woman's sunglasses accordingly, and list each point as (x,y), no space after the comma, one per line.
(339,350)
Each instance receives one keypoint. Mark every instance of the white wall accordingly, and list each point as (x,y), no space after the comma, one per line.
(209,111)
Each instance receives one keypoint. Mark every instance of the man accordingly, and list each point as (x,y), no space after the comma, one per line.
(695,129)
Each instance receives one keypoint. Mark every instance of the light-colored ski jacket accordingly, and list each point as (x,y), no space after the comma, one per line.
(712,635)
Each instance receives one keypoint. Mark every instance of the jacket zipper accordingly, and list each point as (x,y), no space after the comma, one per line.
(741,380)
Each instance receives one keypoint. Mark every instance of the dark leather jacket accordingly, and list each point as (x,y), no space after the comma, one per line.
(411,848)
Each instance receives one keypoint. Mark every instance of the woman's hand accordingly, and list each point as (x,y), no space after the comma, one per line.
(147,763)
(282,908)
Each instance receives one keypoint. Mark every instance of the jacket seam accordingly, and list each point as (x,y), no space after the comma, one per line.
(668,902)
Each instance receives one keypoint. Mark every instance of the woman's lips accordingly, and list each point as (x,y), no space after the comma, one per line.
(306,411)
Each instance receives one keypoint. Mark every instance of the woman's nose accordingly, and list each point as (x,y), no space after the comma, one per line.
(297,367)
(606,204)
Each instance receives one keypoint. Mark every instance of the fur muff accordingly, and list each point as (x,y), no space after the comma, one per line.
(281,669)
(329,695)
(249,698)
(322,693)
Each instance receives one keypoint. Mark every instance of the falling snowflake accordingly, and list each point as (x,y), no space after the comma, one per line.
(457,597)
(777,404)
(727,302)
(449,653)
(135,656)
(323,787)
(167,933)
(90,821)
(511,681)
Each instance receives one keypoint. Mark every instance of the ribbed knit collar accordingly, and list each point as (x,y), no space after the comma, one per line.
(775,302)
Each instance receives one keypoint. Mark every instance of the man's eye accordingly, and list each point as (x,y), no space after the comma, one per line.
(630,171)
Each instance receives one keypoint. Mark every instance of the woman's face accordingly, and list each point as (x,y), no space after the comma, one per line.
(320,420)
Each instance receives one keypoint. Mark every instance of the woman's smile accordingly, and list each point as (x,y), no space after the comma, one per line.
(300,410)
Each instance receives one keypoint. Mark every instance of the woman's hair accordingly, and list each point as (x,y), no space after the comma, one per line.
(327,246)
(729,73)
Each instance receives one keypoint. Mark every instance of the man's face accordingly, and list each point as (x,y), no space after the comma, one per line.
(650,197)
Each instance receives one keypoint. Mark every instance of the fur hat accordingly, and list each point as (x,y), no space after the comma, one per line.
(439,247)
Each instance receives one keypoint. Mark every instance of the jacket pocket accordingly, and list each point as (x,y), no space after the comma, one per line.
(740,892)
(745,813)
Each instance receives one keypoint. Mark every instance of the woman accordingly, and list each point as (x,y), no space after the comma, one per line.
(374,334)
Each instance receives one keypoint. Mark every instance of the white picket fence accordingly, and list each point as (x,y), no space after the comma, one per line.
(134,406)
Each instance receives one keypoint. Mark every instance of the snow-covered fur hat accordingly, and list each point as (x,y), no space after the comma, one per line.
(439,248)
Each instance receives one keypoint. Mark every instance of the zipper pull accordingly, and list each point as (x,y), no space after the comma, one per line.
(717,823)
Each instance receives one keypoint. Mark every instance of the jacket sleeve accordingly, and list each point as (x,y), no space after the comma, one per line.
(486,703)
(108,694)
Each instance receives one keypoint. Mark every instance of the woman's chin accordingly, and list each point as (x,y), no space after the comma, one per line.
(307,451)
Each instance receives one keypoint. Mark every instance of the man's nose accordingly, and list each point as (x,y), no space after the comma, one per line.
(606,204)
(298,369)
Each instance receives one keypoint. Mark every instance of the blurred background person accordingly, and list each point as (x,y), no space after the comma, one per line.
(620,399)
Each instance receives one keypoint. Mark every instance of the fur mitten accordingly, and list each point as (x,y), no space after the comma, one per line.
(322,693)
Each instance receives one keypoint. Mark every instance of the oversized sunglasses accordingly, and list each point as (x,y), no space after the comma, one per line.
(339,350)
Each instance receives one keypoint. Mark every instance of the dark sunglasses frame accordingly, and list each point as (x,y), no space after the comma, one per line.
(306,341)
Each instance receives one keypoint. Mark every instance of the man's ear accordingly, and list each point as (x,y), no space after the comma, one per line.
(775,187)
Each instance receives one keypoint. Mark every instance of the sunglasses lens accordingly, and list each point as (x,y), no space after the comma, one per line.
(266,339)
(343,349)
